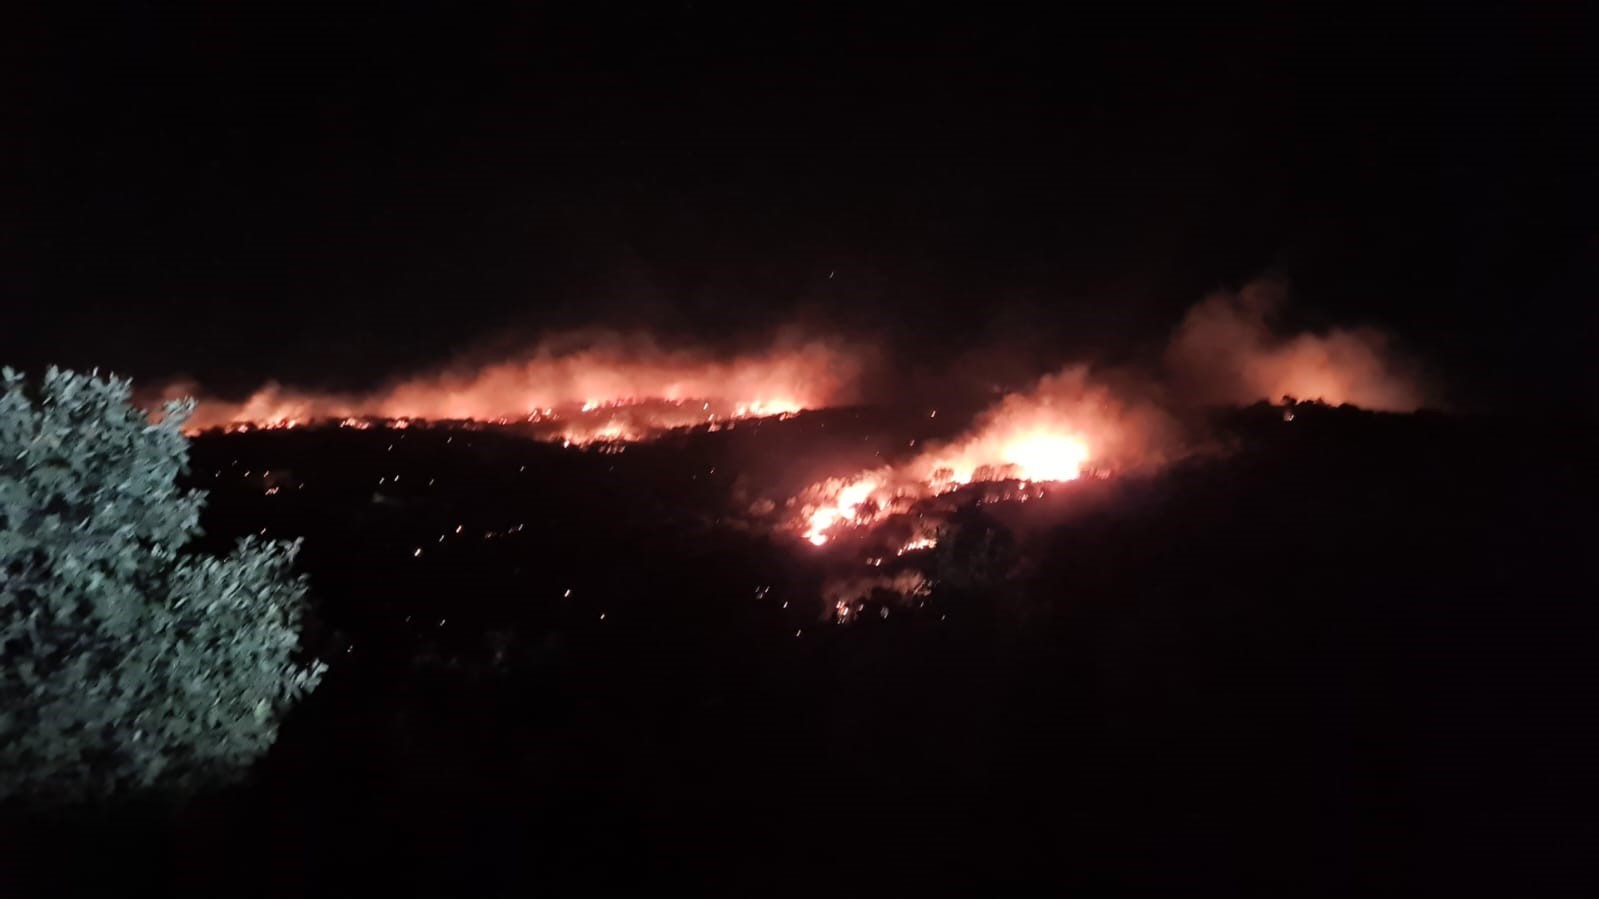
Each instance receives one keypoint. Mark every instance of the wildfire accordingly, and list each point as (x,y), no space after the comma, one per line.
(842,506)
(1067,426)
(879,522)
(611,389)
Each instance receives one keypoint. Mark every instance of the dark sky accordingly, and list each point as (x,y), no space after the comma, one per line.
(333,194)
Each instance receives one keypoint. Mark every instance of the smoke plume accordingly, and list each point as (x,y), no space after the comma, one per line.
(1069,425)
(1226,352)
(1081,422)
(579,374)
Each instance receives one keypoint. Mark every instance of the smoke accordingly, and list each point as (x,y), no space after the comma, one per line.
(1226,352)
(1082,422)
(587,371)
(1068,425)
(1065,423)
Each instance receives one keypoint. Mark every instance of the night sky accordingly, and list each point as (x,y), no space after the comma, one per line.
(333,195)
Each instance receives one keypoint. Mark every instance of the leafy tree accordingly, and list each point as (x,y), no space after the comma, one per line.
(126,665)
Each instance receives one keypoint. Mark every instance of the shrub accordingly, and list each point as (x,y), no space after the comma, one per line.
(125,665)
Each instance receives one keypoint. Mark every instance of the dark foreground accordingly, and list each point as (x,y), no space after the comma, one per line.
(1352,658)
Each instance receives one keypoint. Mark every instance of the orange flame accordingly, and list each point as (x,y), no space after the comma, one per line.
(613,389)
(1065,427)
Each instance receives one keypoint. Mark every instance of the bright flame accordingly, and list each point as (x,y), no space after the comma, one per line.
(603,390)
(1047,457)
(842,507)
(1064,427)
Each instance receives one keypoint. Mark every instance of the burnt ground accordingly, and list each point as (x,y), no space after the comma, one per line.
(1350,655)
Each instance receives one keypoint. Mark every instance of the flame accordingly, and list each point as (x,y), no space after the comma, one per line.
(611,389)
(1065,427)
(1069,425)
(842,506)
(1047,457)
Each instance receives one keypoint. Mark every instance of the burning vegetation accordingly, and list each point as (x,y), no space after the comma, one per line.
(577,390)
(873,524)
(1066,427)
(1077,423)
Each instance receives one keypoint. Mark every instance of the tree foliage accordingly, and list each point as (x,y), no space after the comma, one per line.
(125,663)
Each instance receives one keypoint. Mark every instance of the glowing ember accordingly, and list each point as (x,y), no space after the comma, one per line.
(845,598)
(841,508)
(608,389)
(916,544)
(1051,433)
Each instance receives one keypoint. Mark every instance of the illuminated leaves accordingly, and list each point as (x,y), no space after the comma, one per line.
(127,666)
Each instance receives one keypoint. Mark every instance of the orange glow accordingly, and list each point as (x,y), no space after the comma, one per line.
(841,507)
(1226,351)
(1063,428)
(1046,457)
(604,389)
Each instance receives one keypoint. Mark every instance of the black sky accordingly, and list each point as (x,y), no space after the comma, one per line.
(337,193)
